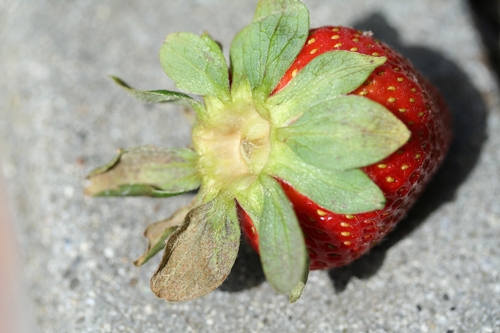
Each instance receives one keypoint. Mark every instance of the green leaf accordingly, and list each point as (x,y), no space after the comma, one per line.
(299,288)
(239,77)
(158,232)
(270,7)
(341,191)
(196,64)
(269,45)
(281,242)
(251,200)
(344,133)
(329,75)
(161,96)
(200,253)
(147,170)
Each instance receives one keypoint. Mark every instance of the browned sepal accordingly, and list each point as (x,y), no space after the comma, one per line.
(148,170)
(200,254)
(158,232)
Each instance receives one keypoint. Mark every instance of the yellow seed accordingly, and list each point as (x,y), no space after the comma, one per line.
(389,179)
(347,243)
(335,37)
(417,156)
(413,90)
(310,41)
(335,29)
(254,230)
(397,69)
(354,49)
(400,79)
(345,224)
(313,51)
(421,114)
(321,212)
(337,45)
(391,99)
(405,167)
(355,40)
(375,54)
(382,166)
(402,110)
(380,73)
(294,72)
(412,100)
(391,88)
(363,93)
(345,233)
(349,216)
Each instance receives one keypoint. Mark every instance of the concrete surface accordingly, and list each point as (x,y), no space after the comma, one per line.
(60,116)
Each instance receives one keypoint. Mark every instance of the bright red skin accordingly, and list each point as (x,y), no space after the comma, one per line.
(332,239)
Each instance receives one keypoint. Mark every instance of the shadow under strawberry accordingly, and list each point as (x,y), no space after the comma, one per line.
(247,270)
(486,14)
(469,125)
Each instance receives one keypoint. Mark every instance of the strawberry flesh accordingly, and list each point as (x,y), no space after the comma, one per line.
(332,239)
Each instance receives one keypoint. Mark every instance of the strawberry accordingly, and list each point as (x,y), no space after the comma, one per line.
(314,143)
(332,239)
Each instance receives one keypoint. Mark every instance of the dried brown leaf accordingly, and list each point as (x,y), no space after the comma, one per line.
(200,253)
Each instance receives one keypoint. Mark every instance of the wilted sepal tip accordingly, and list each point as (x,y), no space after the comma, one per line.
(199,255)
(158,232)
(148,170)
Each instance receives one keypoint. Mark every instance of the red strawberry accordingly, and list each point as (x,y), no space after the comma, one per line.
(337,239)
(317,144)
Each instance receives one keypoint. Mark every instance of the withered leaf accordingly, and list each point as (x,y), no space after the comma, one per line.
(200,254)
(158,232)
(148,170)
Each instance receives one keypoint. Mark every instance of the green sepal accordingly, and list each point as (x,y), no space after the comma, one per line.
(340,191)
(199,255)
(329,75)
(345,133)
(238,76)
(264,50)
(148,170)
(251,201)
(158,232)
(299,288)
(281,243)
(161,96)
(196,64)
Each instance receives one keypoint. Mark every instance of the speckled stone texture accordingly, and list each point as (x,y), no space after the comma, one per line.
(60,116)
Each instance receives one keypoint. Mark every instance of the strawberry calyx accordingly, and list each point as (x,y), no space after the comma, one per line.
(233,144)
(248,137)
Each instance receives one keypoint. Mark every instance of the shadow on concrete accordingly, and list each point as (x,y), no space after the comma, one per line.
(246,272)
(469,126)
(486,15)
(469,122)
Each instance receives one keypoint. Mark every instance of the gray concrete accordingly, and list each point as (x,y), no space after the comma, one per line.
(60,116)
